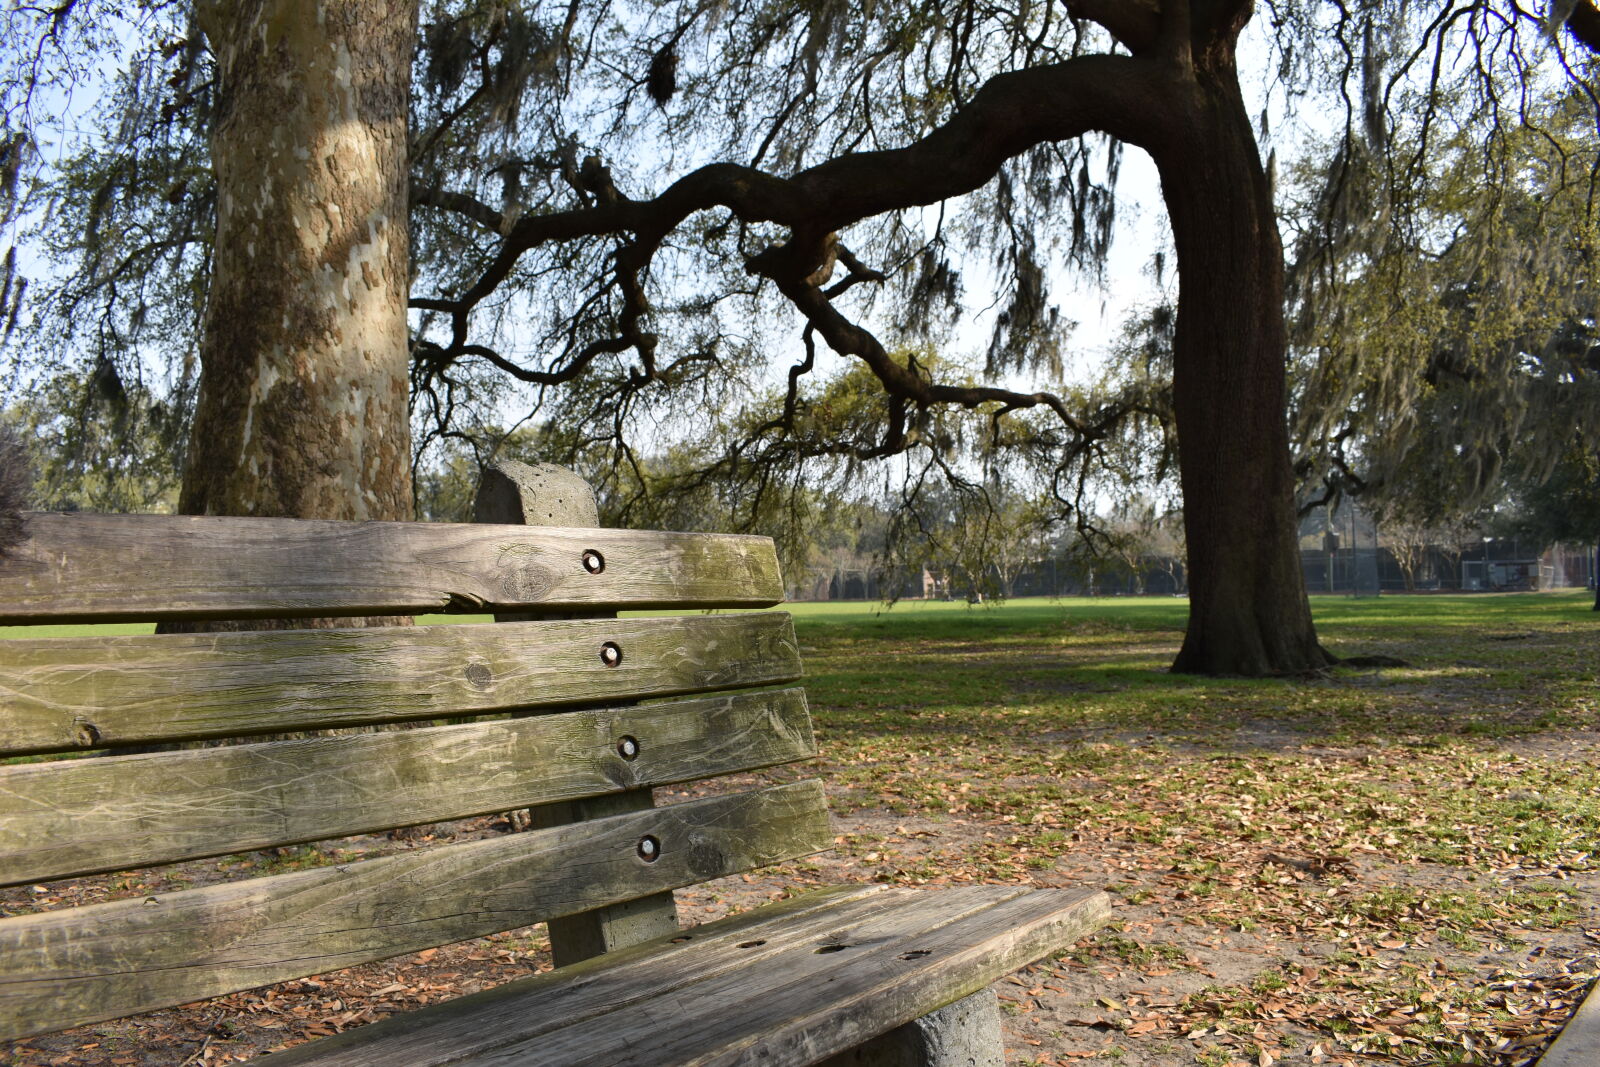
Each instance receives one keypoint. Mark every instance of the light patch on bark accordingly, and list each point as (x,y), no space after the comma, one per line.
(306,346)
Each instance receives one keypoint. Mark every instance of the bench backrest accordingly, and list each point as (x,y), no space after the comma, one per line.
(539,714)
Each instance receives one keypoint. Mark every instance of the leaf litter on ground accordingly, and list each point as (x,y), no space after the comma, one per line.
(1390,866)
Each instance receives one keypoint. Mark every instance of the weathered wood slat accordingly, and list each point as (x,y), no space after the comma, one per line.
(111,567)
(590,933)
(76,817)
(91,692)
(591,986)
(794,1021)
(752,989)
(97,962)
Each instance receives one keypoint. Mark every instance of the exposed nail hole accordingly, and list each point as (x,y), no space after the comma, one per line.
(610,654)
(753,944)
(628,748)
(593,562)
(649,849)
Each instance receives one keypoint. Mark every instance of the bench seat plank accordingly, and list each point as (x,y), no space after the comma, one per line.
(597,984)
(786,985)
(104,568)
(91,692)
(101,961)
(83,816)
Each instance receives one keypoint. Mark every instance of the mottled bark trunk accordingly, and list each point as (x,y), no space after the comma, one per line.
(1248,612)
(302,408)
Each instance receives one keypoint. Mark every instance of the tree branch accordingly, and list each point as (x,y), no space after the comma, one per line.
(1584,24)
(1134,23)
(1009,115)
(460,204)
(1012,113)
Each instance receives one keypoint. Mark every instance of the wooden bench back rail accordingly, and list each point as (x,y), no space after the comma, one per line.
(85,816)
(102,961)
(60,694)
(576,737)
(100,568)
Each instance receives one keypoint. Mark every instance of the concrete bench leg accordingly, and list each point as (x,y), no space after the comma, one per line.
(963,1034)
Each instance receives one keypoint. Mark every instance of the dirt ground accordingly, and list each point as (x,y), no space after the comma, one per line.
(1172,983)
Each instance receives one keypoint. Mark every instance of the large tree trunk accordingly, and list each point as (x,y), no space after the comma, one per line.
(302,408)
(1248,612)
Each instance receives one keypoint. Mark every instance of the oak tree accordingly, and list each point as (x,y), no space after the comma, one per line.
(607,201)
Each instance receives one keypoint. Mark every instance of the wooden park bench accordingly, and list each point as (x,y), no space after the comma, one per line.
(559,706)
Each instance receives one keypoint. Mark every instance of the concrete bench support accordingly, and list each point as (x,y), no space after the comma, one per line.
(963,1034)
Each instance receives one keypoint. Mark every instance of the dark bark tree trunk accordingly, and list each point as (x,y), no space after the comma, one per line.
(1248,611)
(303,402)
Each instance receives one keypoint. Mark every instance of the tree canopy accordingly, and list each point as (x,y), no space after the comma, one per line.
(1448,335)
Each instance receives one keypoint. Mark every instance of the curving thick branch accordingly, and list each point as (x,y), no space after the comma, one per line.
(1136,24)
(1125,96)
(1584,24)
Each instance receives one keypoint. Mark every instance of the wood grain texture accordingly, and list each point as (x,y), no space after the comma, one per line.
(755,989)
(92,692)
(466,1024)
(805,1005)
(87,568)
(76,816)
(102,961)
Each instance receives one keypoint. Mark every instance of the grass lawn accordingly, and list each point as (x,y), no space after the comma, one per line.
(1393,865)
(1099,664)
(1366,866)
